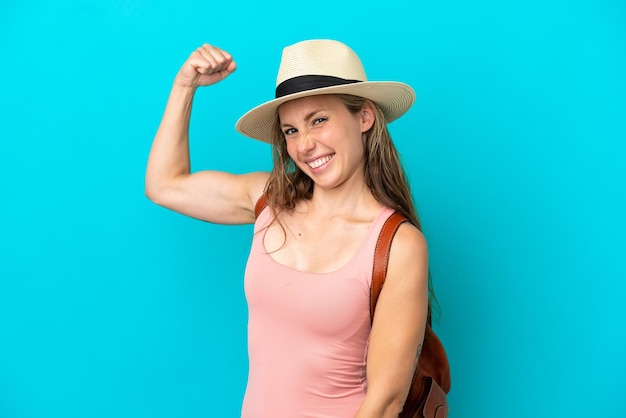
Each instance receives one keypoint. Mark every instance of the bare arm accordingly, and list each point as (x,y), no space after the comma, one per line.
(398,328)
(208,195)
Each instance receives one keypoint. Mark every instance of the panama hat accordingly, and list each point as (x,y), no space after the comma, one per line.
(323,66)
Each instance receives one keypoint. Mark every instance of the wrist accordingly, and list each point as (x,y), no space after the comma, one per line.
(184,87)
(183,91)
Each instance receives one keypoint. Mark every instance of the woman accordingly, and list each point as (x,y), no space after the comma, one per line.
(336,179)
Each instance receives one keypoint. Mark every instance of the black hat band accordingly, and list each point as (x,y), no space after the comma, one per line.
(309,82)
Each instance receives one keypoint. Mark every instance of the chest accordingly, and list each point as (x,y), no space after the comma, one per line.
(315,247)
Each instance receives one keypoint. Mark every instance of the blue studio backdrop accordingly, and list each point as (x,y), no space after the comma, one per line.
(111,306)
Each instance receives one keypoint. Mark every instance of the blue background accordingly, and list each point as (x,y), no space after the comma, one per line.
(113,307)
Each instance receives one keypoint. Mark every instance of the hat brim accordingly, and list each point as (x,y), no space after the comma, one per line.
(393,98)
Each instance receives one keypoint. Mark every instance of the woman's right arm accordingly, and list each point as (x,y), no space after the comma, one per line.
(212,196)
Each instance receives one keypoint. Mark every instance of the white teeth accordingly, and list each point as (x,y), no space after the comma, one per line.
(320,161)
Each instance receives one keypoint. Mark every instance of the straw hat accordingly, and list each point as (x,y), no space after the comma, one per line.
(315,67)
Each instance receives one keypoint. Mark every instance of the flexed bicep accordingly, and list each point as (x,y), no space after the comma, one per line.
(208,195)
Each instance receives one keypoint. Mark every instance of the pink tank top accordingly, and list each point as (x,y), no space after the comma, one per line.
(307,333)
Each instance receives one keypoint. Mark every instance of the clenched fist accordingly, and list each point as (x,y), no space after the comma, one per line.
(205,66)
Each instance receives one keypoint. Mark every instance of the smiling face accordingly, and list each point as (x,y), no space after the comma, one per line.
(325,139)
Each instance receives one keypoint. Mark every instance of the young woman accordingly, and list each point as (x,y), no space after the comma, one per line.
(336,179)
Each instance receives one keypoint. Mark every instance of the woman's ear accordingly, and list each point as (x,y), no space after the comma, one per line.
(367,115)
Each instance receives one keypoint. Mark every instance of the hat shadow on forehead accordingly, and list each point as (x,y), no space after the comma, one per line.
(322,66)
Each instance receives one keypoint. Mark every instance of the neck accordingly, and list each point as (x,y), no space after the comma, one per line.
(355,200)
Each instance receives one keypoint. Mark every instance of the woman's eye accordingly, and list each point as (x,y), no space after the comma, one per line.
(290,131)
(318,120)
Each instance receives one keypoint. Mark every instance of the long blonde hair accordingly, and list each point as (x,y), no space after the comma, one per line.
(384,173)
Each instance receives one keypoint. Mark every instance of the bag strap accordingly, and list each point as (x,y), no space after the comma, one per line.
(381,257)
(260,205)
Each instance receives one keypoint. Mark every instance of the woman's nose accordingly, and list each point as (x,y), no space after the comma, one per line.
(306,143)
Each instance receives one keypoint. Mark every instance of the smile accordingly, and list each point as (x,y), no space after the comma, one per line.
(320,161)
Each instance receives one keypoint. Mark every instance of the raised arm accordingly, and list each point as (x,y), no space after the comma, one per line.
(398,328)
(212,196)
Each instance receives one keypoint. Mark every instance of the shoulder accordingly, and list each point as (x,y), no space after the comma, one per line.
(257,181)
(408,257)
(407,241)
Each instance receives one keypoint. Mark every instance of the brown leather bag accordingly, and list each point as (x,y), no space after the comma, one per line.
(431,380)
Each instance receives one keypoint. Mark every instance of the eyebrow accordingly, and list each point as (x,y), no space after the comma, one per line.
(307,117)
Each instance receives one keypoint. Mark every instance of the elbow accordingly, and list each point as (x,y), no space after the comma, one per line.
(394,407)
(153,191)
(149,189)
(150,195)
(388,406)
(162,190)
